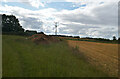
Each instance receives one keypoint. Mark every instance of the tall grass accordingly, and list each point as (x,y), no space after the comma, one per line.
(23,58)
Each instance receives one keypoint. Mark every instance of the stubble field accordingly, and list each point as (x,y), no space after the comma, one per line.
(101,55)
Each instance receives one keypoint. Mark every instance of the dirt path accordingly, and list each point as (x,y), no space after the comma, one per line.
(101,55)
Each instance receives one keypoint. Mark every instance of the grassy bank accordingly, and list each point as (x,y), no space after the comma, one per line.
(22,58)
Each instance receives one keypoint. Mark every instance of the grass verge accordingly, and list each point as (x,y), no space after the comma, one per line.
(22,58)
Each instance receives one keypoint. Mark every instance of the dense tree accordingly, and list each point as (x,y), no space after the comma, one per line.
(76,37)
(11,24)
(119,38)
(40,33)
(114,38)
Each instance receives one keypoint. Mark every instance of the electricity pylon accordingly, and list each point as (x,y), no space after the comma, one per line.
(56,25)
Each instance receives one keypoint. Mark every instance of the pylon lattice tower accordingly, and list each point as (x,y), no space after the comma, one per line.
(56,25)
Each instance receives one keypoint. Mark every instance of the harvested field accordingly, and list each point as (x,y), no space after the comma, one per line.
(103,56)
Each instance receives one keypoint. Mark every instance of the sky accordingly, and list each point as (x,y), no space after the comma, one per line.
(84,18)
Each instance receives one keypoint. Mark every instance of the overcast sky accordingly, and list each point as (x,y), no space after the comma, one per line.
(86,18)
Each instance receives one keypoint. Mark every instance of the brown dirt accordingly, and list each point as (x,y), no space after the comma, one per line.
(101,55)
(42,38)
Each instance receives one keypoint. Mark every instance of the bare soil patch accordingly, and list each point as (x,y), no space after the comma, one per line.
(44,39)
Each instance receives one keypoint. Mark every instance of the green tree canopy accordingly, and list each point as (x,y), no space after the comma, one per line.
(11,24)
(114,38)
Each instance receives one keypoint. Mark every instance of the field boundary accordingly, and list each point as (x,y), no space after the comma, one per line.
(108,42)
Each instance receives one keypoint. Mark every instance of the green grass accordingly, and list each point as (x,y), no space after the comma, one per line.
(22,58)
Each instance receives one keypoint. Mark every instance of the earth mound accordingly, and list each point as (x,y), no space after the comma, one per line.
(42,38)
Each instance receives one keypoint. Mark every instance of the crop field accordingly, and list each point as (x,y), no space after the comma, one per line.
(103,56)
(23,58)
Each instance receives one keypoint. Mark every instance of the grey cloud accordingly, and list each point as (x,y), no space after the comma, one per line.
(88,31)
(103,15)
(32,23)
